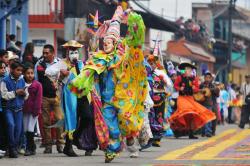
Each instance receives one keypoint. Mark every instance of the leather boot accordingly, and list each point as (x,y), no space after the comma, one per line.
(68,148)
(28,147)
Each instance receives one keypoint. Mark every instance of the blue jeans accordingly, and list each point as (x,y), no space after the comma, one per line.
(207,129)
(14,122)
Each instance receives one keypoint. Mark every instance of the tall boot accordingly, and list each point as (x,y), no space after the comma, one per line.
(68,149)
(28,146)
(32,144)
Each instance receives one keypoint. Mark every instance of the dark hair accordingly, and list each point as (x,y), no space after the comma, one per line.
(1,64)
(29,49)
(28,66)
(3,52)
(50,47)
(16,64)
(12,37)
(18,43)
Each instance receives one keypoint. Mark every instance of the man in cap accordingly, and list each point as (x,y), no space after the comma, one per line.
(209,102)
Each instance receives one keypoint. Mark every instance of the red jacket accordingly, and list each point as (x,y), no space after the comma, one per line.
(178,84)
(33,104)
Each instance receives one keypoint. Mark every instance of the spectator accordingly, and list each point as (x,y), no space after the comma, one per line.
(4,56)
(28,55)
(12,90)
(3,131)
(50,101)
(245,112)
(20,46)
(12,44)
(31,109)
(224,101)
(232,95)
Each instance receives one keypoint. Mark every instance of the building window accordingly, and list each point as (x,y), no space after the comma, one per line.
(7,26)
(18,33)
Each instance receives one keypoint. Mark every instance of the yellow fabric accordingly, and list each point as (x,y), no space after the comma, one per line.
(130,92)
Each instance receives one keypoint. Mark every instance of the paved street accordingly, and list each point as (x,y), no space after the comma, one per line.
(230,146)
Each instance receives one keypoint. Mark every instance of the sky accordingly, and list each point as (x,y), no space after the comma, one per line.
(176,8)
(172,9)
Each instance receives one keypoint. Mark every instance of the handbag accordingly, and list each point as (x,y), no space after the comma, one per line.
(101,127)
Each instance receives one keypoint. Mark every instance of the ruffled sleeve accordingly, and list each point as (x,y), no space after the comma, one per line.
(84,82)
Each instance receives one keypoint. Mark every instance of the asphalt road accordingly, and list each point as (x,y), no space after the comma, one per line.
(212,151)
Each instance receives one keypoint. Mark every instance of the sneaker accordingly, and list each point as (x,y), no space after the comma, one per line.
(21,151)
(134,154)
(156,144)
(2,152)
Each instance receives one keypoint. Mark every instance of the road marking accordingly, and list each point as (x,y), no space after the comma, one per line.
(209,149)
(213,151)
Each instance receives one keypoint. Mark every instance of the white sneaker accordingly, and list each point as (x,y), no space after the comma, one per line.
(133,151)
(134,154)
(2,152)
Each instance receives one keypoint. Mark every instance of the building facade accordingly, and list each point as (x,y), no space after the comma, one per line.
(13,20)
(215,17)
(46,24)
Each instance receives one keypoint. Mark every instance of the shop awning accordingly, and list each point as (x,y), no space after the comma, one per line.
(157,22)
(189,50)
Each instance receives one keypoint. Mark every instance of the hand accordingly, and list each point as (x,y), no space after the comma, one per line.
(64,73)
(20,92)
(182,88)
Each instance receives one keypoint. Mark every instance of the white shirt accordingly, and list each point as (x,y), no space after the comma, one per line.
(8,95)
(245,90)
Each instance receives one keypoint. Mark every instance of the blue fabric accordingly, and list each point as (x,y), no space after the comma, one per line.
(69,103)
(168,113)
(14,122)
(110,117)
(15,104)
(207,129)
(105,88)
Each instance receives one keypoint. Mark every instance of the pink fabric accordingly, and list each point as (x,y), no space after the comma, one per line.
(33,104)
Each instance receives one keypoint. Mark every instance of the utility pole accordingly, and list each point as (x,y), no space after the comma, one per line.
(230,42)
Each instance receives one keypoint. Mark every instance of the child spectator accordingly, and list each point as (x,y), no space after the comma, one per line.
(4,56)
(32,108)
(13,91)
(3,131)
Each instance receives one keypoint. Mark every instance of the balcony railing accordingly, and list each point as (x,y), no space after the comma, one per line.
(46,11)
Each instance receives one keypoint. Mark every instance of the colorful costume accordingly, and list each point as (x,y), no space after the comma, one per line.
(119,78)
(189,115)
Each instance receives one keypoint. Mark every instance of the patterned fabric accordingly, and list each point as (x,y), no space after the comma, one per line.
(120,80)
(69,101)
(100,125)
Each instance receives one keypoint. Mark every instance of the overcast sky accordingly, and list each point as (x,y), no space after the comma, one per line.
(176,8)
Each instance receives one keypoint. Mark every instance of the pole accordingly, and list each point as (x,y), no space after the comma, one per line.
(230,43)
(176,8)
